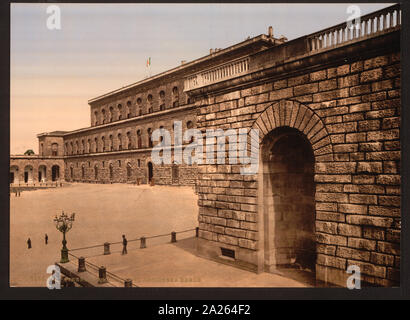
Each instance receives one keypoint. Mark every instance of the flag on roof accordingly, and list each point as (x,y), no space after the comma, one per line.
(149,62)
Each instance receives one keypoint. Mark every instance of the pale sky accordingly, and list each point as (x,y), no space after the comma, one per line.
(102,47)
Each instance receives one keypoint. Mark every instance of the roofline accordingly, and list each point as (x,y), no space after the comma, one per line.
(261,37)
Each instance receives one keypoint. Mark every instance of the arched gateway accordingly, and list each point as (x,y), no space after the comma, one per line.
(292,137)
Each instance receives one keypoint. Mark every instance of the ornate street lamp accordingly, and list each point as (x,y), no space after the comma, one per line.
(63,224)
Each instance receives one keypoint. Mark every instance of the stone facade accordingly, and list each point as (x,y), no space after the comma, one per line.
(327,192)
(344,105)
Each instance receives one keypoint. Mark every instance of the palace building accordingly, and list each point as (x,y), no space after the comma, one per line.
(327,107)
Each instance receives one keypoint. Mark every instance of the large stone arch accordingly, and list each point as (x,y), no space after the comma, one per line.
(304,129)
(289,113)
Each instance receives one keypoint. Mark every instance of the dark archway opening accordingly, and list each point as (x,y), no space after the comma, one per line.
(289,200)
(55,173)
(150,171)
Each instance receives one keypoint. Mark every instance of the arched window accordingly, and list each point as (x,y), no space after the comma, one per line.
(88,145)
(139,106)
(162,100)
(190,125)
(95,172)
(111,143)
(175,97)
(71,147)
(139,139)
(82,172)
(119,110)
(150,101)
(161,138)
(149,131)
(82,146)
(54,149)
(129,141)
(119,142)
(95,118)
(111,172)
(103,143)
(66,148)
(76,147)
(41,149)
(129,171)
(111,114)
(96,144)
(128,109)
(103,116)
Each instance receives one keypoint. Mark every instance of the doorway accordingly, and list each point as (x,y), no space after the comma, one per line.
(288,200)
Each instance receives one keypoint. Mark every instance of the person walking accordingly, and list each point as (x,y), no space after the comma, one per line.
(29,243)
(46,238)
(124,244)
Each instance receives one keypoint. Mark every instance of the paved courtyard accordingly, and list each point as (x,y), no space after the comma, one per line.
(103,214)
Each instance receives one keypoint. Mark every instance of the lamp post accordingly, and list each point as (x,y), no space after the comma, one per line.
(63,224)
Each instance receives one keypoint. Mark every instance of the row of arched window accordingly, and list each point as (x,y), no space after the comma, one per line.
(112,142)
(95,169)
(111,114)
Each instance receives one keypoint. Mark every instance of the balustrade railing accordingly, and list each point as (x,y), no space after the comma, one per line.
(368,25)
(223,72)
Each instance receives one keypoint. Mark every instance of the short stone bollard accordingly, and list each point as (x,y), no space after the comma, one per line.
(107,248)
(102,275)
(81,264)
(143,243)
(173,236)
(128,283)
(197,232)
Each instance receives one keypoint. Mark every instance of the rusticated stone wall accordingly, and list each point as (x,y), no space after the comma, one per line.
(350,115)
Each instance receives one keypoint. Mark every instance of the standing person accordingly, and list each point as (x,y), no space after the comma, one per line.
(124,244)
(29,243)
(46,238)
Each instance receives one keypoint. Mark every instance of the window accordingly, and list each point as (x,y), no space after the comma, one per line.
(161,138)
(119,163)
(119,108)
(175,97)
(162,100)
(150,107)
(71,148)
(111,143)
(190,125)
(119,142)
(96,144)
(76,148)
(95,118)
(149,131)
(129,142)
(82,146)
(88,145)
(103,116)
(139,140)
(82,172)
(111,172)
(129,171)
(54,149)
(41,149)
(103,143)
(128,109)
(111,114)
(139,104)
